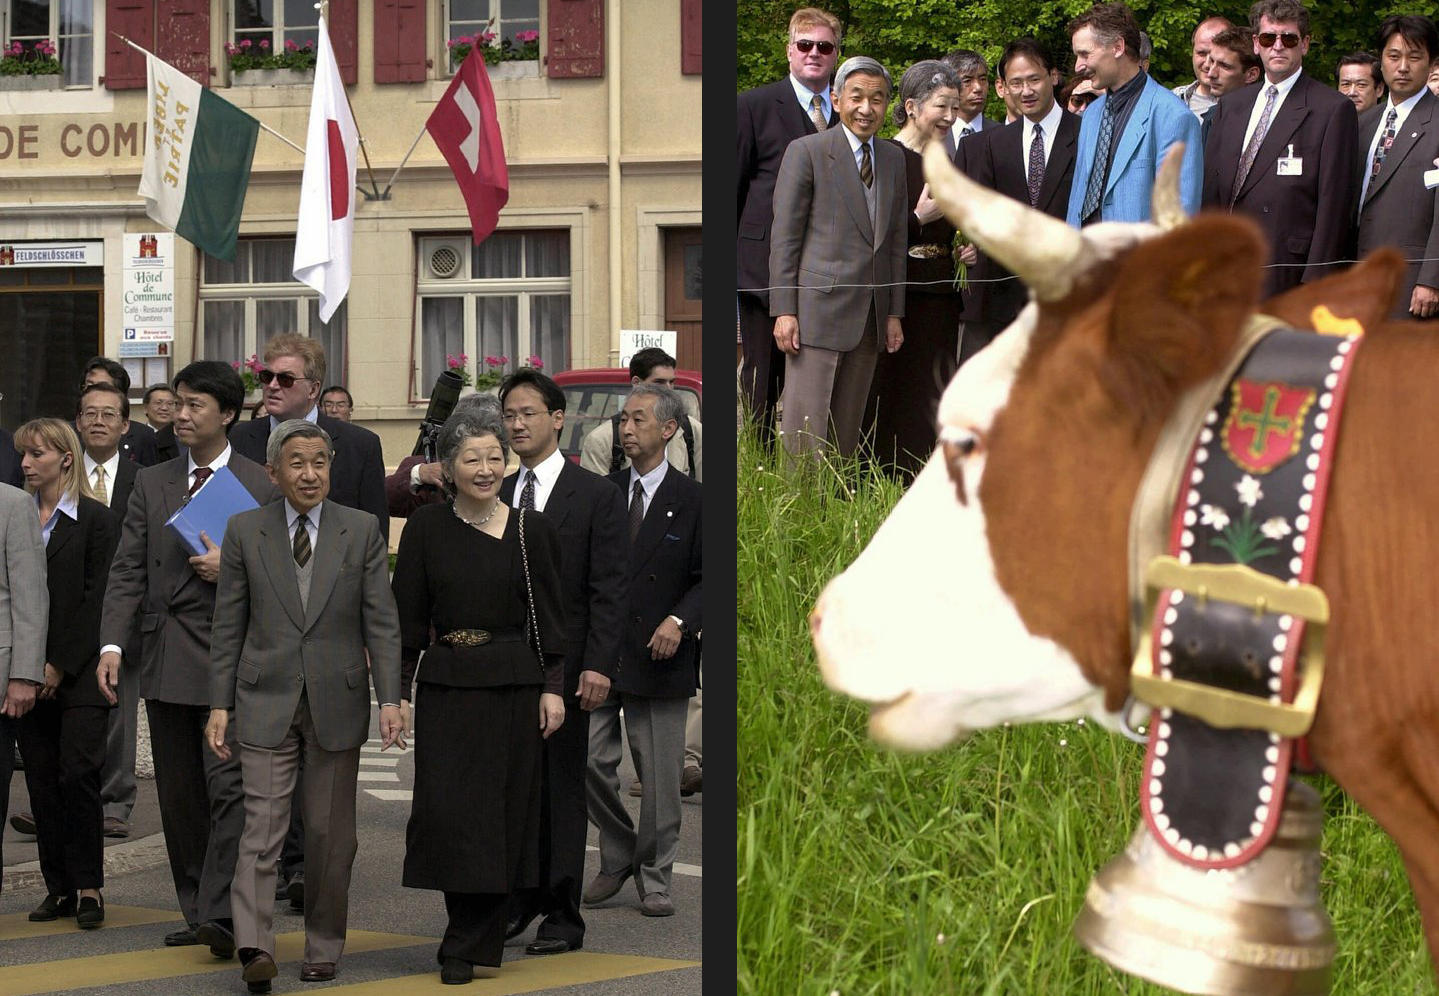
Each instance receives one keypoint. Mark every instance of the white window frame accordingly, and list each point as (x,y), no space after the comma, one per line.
(277,30)
(252,293)
(97,51)
(497,14)
(471,289)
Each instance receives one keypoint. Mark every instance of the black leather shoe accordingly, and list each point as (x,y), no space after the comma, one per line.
(219,936)
(456,972)
(53,908)
(295,892)
(550,945)
(23,822)
(90,913)
(181,938)
(257,968)
(518,925)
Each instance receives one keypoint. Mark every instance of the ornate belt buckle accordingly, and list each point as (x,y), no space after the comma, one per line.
(467,637)
(1240,585)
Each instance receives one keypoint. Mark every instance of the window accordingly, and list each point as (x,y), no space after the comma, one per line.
(509,296)
(67,25)
(245,302)
(276,22)
(505,18)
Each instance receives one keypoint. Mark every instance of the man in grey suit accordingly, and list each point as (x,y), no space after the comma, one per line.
(155,573)
(304,593)
(837,262)
(25,613)
(1398,143)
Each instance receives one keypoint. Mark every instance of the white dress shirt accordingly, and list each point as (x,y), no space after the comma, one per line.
(313,517)
(112,466)
(854,144)
(67,506)
(1049,125)
(648,483)
(545,473)
(1257,111)
(806,96)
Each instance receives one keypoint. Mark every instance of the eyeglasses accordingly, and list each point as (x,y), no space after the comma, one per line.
(287,380)
(157,403)
(525,416)
(107,415)
(1289,38)
(327,405)
(805,44)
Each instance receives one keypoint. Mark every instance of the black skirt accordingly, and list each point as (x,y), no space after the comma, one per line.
(474,823)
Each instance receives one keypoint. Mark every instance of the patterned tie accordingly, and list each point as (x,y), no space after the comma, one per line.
(1036,165)
(966,131)
(201,473)
(527,494)
(1094,191)
(1391,125)
(637,510)
(1251,151)
(302,540)
(101,494)
(866,168)
(816,112)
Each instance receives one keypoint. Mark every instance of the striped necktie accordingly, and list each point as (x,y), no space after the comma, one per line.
(302,540)
(866,168)
(102,494)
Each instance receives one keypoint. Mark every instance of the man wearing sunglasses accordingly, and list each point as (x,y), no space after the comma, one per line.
(1282,151)
(769,118)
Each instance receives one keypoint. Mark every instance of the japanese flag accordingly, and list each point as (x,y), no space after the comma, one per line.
(327,190)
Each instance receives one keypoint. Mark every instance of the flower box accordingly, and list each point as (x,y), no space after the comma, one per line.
(48,81)
(272,77)
(514,70)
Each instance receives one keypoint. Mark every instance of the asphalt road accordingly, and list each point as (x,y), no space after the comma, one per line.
(393,931)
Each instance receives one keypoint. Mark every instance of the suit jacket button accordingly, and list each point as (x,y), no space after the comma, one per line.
(652,577)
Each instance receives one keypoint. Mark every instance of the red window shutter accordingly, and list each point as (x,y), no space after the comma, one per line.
(344,37)
(135,19)
(182,37)
(576,39)
(400,41)
(691,27)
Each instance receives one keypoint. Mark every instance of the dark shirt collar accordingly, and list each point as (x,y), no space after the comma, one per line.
(1121,98)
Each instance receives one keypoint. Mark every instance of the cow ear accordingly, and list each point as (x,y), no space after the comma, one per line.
(1364,293)
(1181,302)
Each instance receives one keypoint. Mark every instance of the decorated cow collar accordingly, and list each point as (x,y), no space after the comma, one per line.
(1228,627)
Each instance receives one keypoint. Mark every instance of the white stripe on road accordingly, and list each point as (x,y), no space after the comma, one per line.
(679,867)
(383,762)
(377,776)
(391,795)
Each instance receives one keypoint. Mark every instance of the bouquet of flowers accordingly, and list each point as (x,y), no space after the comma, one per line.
(459,363)
(37,60)
(249,371)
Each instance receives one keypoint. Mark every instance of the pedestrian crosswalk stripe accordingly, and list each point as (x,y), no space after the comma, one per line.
(381,762)
(377,776)
(14,926)
(168,963)
(679,867)
(528,975)
(391,795)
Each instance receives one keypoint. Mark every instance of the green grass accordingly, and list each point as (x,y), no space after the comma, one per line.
(863,871)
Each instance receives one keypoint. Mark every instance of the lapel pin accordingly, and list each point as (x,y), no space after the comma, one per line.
(669,515)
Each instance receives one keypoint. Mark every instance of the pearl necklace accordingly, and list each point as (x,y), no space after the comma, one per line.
(477,523)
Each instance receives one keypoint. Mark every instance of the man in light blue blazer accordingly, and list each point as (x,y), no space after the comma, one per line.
(1125,134)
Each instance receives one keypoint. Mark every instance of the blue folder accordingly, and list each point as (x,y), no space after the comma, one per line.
(209,509)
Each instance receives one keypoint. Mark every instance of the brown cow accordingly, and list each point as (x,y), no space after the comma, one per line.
(1019,522)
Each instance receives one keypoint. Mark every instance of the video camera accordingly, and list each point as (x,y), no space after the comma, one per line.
(443,397)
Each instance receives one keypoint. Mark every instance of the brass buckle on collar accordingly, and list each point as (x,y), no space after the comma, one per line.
(1220,707)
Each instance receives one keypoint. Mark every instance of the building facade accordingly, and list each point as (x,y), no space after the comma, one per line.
(600,114)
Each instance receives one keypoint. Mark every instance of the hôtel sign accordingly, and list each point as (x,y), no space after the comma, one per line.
(72,139)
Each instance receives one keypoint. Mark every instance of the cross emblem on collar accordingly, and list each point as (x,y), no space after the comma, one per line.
(1265,422)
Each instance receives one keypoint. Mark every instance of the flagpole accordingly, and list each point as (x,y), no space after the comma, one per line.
(324,8)
(413,145)
(263,126)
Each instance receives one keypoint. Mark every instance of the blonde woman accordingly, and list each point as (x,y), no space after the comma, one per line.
(63,737)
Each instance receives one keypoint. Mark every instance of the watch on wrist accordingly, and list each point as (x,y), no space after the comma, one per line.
(679,622)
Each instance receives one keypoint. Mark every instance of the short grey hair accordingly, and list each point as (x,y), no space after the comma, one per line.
(470,422)
(477,402)
(966,62)
(668,404)
(862,64)
(295,428)
(920,82)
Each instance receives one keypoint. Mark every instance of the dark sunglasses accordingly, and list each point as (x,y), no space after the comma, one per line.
(1289,38)
(287,380)
(825,47)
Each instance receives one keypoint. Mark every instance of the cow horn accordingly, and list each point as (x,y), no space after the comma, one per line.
(1044,252)
(1166,206)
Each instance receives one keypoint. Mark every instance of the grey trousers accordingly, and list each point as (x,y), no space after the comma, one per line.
(825,392)
(117,777)
(655,728)
(327,797)
(695,727)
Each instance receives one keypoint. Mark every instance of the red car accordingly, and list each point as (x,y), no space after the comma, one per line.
(592,396)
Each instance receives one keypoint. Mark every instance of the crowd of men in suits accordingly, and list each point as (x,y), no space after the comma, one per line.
(631,566)
(1327,174)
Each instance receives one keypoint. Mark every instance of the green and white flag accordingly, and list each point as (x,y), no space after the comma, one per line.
(198,151)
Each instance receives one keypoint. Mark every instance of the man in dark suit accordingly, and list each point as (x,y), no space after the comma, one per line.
(154,572)
(659,660)
(1398,143)
(769,118)
(837,262)
(973,73)
(1008,160)
(293,377)
(1232,64)
(589,513)
(291,640)
(1283,151)
(137,440)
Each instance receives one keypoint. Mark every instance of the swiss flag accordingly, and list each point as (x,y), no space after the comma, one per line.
(466,130)
(327,189)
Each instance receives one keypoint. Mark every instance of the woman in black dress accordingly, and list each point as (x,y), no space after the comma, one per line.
(904,395)
(485,700)
(63,737)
